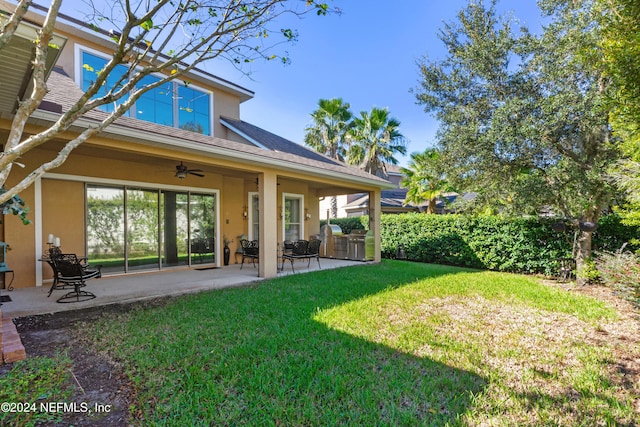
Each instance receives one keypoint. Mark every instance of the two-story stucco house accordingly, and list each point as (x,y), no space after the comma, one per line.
(164,186)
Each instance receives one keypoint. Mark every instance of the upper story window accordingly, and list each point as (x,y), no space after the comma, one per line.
(174,104)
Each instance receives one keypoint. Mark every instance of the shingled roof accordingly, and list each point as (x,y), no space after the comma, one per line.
(273,142)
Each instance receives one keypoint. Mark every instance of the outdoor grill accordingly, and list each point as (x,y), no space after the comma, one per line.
(357,246)
(355,242)
(334,243)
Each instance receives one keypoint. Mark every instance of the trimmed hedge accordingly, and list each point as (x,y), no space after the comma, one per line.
(348,224)
(519,245)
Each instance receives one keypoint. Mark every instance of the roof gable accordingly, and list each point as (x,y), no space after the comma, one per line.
(270,141)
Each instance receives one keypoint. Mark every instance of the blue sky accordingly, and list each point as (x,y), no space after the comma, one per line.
(367,56)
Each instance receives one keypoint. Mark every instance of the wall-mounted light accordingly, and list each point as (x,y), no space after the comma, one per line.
(245,213)
(307,215)
(280,211)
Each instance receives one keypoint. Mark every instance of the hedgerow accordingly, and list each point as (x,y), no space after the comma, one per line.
(521,245)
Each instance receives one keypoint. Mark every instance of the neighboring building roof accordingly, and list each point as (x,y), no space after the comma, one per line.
(393,169)
(394,199)
(272,150)
(388,199)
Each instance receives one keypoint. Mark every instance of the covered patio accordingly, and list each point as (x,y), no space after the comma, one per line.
(122,289)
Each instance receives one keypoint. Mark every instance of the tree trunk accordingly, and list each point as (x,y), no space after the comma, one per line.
(583,253)
(583,247)
(431,207)
(334,207)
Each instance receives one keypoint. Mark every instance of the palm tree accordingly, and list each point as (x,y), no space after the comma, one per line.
(424,179)
(326,135)
(331,121)
(375,140)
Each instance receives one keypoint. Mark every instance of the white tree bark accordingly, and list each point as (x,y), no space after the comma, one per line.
(221,28)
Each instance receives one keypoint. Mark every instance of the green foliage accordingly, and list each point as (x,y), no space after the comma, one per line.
(375,141)
(16,206)
(424,179)
(588,272)
(35,380)
(524,117)
(620,20)
(614,232)
(327,134)
(524,245)
(348,224)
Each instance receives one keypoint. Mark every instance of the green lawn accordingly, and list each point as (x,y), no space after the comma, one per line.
(393,344)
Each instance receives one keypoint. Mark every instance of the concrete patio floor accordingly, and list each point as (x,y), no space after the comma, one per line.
(135,287)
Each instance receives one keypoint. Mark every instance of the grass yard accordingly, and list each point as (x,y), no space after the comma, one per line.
(396,344)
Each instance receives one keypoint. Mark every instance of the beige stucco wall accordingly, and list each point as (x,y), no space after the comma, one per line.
(21,238)
(232,136)
(232,202)
(63,215)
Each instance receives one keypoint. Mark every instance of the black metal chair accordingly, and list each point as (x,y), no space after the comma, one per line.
(250,250)
(298,251)
(72,272)
(566,269)
(55,253)
(313,251)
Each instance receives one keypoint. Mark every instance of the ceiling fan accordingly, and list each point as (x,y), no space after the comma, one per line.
(182,171)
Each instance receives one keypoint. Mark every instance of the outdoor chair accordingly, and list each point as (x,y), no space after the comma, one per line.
(566,269)
(250,250)
(72,272)
(302,249)
(313,251)
(55,253)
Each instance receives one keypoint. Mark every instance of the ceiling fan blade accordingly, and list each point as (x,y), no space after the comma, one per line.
(196,173)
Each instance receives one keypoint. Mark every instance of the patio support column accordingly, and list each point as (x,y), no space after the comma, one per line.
(268,197)
(374,221)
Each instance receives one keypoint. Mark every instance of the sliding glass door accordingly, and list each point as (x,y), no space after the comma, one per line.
(140,229)
(202,228)
(105,227)
(142,207)
(176,229)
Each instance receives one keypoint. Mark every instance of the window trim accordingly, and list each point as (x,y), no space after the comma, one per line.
(300,197)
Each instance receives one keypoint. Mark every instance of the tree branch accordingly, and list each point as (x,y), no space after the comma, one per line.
(9,28)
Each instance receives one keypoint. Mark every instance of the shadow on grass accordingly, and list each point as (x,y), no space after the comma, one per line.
(255,356)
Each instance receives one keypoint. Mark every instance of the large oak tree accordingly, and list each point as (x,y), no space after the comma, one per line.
(524,118)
